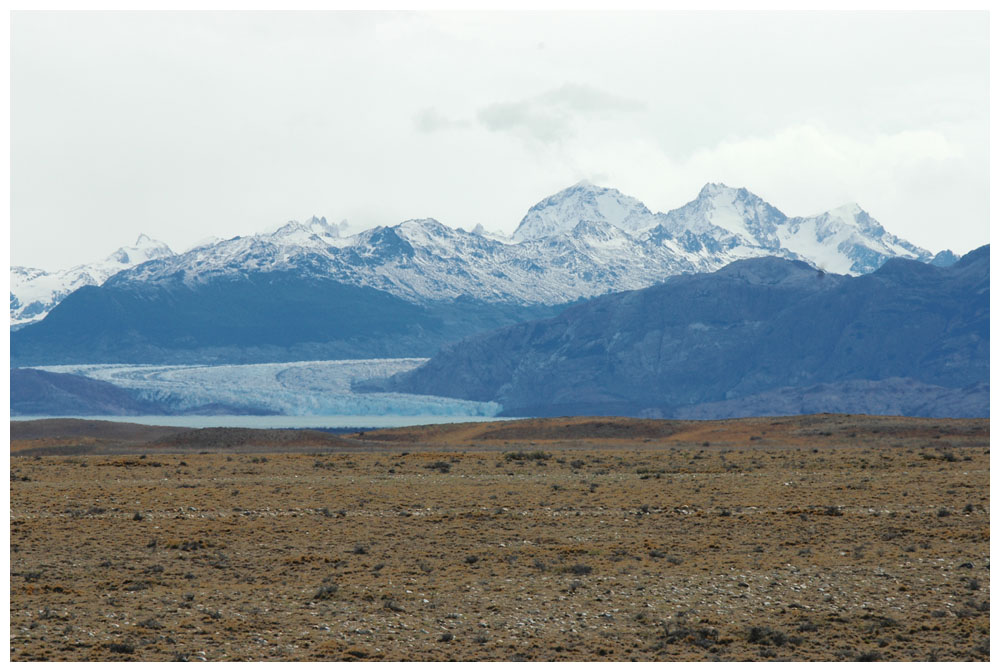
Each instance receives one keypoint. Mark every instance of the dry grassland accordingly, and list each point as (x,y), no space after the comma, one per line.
(819,538)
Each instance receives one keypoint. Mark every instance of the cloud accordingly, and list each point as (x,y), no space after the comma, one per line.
(812,159)
(526,119)
(183,124)
(430,120)
(552,116)
(923,184)
(588,100)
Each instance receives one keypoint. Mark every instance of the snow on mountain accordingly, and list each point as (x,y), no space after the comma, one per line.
(843,240)
(584,202)
(846,240)
(422,260)
(145,248)
(727,213)
(480,230)
(581,242)
(207,241)
(34,292)
(312,231)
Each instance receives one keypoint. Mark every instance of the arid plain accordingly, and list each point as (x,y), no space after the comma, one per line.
(812,538)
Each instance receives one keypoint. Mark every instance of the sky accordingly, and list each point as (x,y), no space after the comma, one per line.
(188,125)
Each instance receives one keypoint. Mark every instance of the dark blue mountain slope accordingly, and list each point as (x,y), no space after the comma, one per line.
(754,326)
(276,316)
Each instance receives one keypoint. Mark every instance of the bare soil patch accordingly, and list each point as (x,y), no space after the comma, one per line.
(23,430)
(819,538)
(83,437)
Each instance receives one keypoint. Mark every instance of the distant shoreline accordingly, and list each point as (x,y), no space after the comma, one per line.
(75,436)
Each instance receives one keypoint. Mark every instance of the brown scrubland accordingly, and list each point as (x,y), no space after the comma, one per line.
(565,539)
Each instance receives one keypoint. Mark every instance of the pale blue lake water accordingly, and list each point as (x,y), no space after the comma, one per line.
(282,421)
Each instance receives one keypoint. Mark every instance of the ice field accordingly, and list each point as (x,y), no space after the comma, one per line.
(287,388)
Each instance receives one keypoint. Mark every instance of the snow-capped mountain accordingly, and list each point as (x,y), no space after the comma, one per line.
(730,216)
(581,242)
(313,231)
(34,292)
(584,202)
(424,260)
(844,240)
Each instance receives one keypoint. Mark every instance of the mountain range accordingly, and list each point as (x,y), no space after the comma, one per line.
(595,305)
(581,242)
(757,337)
(34,292)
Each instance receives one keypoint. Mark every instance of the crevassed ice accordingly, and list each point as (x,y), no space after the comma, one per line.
(287,388)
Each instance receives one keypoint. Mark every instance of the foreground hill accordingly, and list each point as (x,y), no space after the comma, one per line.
(71,436)
(755,326)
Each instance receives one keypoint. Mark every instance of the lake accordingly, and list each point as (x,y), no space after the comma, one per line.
(282,421)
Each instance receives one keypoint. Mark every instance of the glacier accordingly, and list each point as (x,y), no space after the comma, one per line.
(309,388)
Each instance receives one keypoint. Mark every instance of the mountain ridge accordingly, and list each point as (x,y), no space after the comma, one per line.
(581,242)
(755,326)
(34,292)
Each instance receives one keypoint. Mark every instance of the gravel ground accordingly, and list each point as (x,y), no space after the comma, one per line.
(831,539)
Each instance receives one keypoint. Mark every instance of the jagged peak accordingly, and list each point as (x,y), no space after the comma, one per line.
(851,216)
(848,211)
(145,248)
(713,189)
(310,226)
(144,242)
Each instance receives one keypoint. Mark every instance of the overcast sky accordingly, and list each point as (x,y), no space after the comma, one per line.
(187,125)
